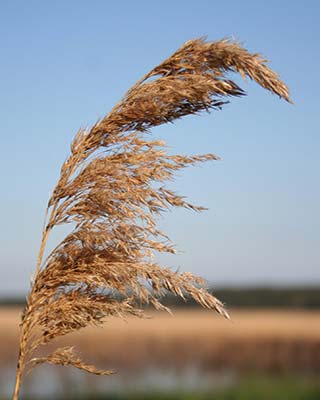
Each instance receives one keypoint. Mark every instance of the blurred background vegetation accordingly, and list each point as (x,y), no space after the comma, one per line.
(270,350)
(298,297)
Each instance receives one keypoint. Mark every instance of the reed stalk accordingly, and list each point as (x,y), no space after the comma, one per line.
(111,190)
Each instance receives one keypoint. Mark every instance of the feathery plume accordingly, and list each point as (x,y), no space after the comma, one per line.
(112,188)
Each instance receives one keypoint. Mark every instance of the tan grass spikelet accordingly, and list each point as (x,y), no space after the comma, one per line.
(112,188)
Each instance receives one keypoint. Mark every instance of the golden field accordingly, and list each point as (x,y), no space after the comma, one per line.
(262,339)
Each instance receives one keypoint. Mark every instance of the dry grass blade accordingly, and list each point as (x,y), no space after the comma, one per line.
(112,188)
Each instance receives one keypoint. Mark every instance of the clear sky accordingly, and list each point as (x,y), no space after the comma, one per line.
(64,64)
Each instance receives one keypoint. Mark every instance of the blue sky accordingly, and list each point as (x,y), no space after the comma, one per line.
(65,64)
